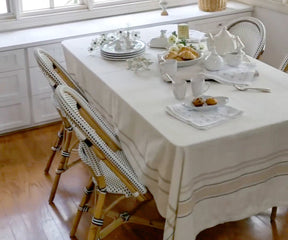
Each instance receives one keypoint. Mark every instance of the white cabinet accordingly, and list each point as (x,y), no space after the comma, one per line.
(43,109)
(214,25)
(14,98)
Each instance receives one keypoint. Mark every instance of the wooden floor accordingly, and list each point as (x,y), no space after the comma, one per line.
(25,213)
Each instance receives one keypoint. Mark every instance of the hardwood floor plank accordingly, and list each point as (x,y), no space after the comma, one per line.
(26,215)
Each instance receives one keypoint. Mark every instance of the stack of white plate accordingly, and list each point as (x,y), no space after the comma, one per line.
(108,51)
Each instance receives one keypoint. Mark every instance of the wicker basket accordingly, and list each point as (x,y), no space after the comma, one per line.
(212,5)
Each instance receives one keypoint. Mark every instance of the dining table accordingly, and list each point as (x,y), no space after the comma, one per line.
(199,177)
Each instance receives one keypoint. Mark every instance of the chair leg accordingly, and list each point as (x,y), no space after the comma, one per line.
(273,214)
(55,148)
(82,206)
(97,219)
(63,162)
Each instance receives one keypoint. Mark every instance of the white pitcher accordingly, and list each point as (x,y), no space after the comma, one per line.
(224,42)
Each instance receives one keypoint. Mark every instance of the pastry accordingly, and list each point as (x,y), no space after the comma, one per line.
(179,59)
(184,54)
(171,55)
(198,102)
(211,101)
(187,55)
(185,48)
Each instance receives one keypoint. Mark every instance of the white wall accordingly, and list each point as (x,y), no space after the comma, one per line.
(276,24)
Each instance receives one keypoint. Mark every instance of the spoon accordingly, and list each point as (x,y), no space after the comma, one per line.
(243,88)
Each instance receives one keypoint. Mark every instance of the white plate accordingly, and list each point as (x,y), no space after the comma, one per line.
(221,101)
(124,55)
(109,48)
(121,58)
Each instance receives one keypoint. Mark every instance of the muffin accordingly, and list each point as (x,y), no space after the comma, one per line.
(211,101)
(198,102)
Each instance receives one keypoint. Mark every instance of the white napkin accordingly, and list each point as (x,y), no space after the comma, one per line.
(244,74)
(202,119)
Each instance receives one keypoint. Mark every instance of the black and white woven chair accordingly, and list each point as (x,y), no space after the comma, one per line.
(284,64)
(111,172)
(57,75)
(252,33)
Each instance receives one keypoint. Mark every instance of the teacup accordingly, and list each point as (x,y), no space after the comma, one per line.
(199,86)
(234,59)
(179,89)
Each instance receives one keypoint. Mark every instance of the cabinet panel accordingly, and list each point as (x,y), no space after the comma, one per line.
(214,25)
(44,109)
(14,114)
(39,83)
(12,60)
(13,85)
(54,50)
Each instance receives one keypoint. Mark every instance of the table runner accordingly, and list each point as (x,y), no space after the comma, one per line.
(198,178)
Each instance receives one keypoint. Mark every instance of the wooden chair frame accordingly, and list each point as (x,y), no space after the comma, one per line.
(261,28)
(57,75)
(86,126)
(284,64)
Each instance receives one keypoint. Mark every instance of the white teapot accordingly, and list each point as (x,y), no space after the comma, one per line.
(224,42)
(213,62)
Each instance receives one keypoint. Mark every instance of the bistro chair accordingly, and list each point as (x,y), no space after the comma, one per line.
(111,172)
(57,75)
(252,33)
(283,67)
(284,64)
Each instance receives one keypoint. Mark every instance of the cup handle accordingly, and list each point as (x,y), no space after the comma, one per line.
(206,87)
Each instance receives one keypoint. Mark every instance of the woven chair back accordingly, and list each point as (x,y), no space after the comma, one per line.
(91,129)
(54,71)
(252,33)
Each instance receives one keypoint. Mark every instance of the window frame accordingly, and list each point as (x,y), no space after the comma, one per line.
(75,13)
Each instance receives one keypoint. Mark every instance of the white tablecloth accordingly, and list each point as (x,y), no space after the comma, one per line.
(199,178)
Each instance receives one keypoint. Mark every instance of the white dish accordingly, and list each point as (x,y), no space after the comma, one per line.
(122,57)
(188,62)
(109,48)
(122,54)
(221,101)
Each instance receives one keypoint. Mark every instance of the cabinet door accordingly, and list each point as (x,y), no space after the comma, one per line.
(14,114)
(13,85)
(38,82)
(214,25)
(55,50)
(12,60)
(43,109)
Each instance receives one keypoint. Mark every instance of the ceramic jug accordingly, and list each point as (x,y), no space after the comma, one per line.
(213,62)
(224,42)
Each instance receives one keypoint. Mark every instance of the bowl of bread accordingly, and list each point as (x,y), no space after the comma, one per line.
(185,56)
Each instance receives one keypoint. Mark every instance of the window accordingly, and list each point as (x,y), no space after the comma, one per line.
(30,5)
(32,13)
(3,6)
